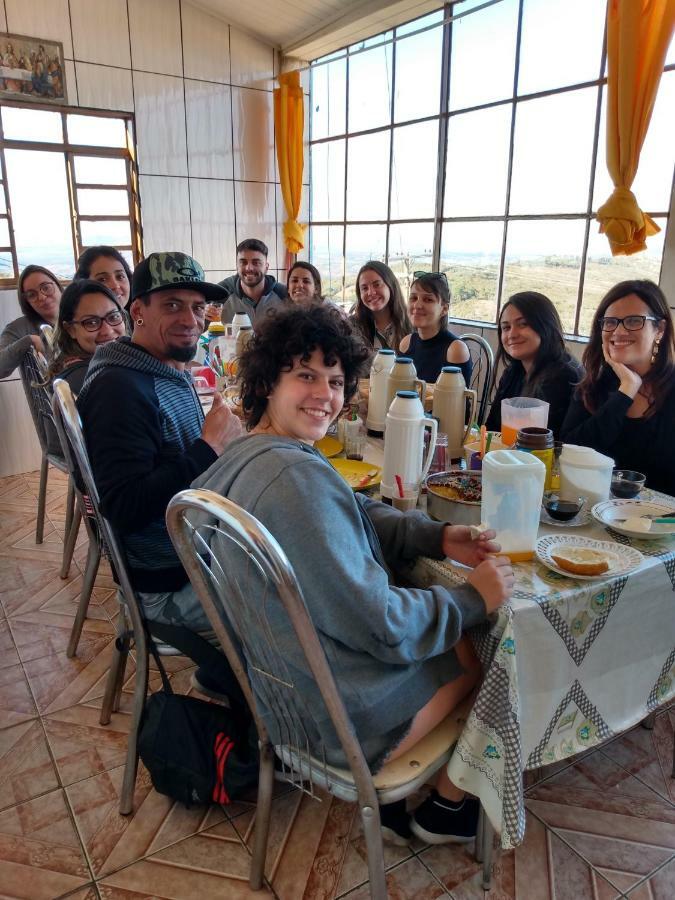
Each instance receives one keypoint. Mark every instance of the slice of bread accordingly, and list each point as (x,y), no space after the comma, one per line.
(581,560)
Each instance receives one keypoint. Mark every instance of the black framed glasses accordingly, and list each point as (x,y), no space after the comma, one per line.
(47,289)
(95,323)
(421,274)
(630,323)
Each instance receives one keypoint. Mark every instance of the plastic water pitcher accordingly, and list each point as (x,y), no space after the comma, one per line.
(513,487)
(585,473)
(404,442)
(449,407)
(379,374)
(403,377)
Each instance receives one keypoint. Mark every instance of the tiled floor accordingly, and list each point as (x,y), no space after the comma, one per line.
(601,828)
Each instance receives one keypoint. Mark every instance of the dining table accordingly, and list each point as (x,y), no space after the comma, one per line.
(568,663)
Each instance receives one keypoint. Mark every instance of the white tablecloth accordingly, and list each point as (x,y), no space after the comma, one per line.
(568,664)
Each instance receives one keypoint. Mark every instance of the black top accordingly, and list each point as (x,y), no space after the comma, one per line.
(75,374)
(431,355)
(644,445)
(555,385)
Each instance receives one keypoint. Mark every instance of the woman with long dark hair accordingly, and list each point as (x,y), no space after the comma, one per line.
(107,265)
(39,291)
(532,347)
(89,315)
(625,405)
(380,313)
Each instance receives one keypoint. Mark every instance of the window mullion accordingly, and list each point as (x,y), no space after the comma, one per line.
(443,129)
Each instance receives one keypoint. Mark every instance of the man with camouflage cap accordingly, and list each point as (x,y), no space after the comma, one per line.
(145,430)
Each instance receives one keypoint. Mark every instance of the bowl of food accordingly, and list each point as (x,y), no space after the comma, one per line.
(626,484)
(455,497)
(562,510)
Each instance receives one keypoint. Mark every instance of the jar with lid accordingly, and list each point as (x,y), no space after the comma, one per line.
(539,442)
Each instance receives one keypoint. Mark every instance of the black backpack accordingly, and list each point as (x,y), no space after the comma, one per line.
(197,752)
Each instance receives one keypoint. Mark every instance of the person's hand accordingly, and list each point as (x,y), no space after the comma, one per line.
(458,545)
(630,381)
(494,580)
(220,425)
(36,341)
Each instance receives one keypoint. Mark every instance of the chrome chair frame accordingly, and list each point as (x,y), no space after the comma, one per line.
(481,371)
(194,518)
(47,335)
(34,372)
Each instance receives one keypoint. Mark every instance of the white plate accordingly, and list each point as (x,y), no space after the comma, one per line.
(622,560)
(583,517)
(608,511)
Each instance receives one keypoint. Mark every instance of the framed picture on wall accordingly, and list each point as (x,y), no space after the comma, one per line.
(31,69)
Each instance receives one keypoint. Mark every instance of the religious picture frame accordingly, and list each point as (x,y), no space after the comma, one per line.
(32,69)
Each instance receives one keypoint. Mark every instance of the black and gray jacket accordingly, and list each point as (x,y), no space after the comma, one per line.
(142,424)
(275,295)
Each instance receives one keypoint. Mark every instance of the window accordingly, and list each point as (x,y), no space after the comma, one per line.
(492,96)
(68,182)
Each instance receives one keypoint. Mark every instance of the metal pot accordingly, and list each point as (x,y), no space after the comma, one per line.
(442,508)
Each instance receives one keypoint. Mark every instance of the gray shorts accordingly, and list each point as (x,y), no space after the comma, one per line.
(175,608)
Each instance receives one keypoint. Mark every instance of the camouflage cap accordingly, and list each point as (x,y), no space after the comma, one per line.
(170,270)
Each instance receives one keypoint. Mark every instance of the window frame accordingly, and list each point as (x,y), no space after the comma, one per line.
(70,152)
(445,114)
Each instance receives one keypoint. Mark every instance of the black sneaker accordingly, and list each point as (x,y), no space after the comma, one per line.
(395,824)
(207,686)
(438,821)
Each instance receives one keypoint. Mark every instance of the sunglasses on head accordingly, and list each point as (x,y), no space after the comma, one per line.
(421,274)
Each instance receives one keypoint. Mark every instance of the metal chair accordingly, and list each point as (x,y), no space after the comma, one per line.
(208,531)
(133,629)
(483,368)
(33,376)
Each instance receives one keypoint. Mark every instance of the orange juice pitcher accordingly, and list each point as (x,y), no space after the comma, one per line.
(513,487)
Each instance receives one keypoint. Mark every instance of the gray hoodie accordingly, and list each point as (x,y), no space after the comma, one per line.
(389,647)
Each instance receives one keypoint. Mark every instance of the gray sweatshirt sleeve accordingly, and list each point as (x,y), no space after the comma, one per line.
(15,342)
(403,536)
(314,516)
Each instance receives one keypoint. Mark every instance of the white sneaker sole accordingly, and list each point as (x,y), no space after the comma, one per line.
(432,837)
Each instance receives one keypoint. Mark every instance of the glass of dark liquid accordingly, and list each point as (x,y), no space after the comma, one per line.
(626,484)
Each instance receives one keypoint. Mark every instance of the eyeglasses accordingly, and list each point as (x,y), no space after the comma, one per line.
(95,323)
(422,274)
(47,289)
(630,323)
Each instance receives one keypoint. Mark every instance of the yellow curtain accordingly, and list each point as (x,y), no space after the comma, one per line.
(289,117)
(638,36)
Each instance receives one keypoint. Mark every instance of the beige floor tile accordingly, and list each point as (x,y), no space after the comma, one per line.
(16,698)
(26,768)
(648,754)
(409,881)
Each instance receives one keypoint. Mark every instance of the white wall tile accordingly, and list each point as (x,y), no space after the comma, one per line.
(213,234)
(155,36)
(209,129)
(253,135)
(165,213)
(101,35)
(71,83)
(160,124)
(41,19)
(104,87)
(206,45)
(252,61)
(216,275)
(256,216)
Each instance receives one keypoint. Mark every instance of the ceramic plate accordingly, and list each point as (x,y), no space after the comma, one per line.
(329,446)
(609,511)
(358,474)
(622,559)
(583,517)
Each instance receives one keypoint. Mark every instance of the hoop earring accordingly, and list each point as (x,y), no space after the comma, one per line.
(139,322)
(655,352)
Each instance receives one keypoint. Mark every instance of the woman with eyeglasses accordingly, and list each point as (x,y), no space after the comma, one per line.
(431,345)
(379,313)
(625,405)
(107,265)
(39,292)
(89,315)
(533,354)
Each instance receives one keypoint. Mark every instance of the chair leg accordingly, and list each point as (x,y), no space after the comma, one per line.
(69,545)
(140,690)
(93,560)
(373,835)
(262,817)
(115,673)
(487,848)
(70,506)
(478,852)
(42,499)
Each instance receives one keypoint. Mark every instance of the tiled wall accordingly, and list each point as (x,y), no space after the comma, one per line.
(201,92)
